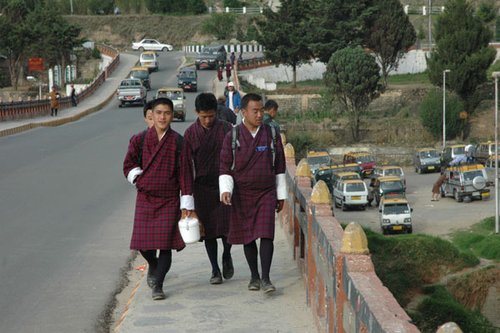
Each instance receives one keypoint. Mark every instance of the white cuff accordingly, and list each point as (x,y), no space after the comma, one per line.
(281,189)
(226,184)
(187,202)
(132,175)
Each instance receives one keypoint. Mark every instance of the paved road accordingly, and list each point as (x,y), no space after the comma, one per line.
(434,218)
(66,216)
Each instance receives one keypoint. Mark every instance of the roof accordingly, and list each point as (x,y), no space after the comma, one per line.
(388,179)
(317,152)
(353,181)
(389,167)
(358,153)
(149,52)
(346,173)
(425,149)
(466,167)
(455,146)
(170,89)
(390,200)
(139,68)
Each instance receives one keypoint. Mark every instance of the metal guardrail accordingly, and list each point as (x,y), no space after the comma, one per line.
(242,10)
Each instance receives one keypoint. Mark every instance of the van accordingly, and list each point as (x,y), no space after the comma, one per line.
(149,59)
(141,73)
(364,159)
(490,166)
(390,170)
(176,95)
(450,153)
(426,160)
(395,214)
(211,56)
(484,150)
(317,158)
(187,79)
(350,193)
(387,185)
(463,181)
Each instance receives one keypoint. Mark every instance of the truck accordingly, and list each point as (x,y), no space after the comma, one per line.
(131,91)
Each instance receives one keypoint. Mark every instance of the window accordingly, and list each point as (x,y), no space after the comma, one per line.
(396,209)
(356,187)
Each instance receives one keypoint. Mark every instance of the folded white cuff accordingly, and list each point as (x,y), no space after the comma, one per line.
(226,184)
(187,202)
(133,174)
(281,189)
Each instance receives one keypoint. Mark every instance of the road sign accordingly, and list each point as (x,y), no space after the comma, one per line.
(35,64)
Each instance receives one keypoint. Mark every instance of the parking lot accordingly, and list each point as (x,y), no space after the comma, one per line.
(429,217)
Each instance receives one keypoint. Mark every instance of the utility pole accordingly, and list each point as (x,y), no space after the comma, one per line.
(430,25)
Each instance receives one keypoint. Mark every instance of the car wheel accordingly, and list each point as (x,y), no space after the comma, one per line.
(410,230)
(363,207)
(443,194)
(419,171)
(457,196)
(163,49)
(141,49)
(336,203)
(384,231)
(343,206)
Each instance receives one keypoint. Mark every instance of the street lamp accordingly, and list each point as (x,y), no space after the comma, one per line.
(496,75)
(444,106)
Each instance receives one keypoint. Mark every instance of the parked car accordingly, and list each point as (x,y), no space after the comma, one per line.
(465,181)
(149,60)
(484,151)
(490,166)
(141,73)
(350,193)
(452,153)
(426,160)
(344,175)
(151,45)
(210,56)
(387,185)
(176,95)
(390,170)
(364,159)
(317,158)
(395,214)
(131,91)
(187,79)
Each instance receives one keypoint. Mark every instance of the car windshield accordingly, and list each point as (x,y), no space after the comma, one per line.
(318,160)
(188,74)
(391,186)
(470,175)
(459,151)
(148,56)
(209,51)
(365,159)
(396,209)
(429,154)
(356,187)
(139,74)
(394,172)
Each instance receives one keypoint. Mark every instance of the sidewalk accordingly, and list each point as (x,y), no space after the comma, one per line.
(194,305)
(93,103)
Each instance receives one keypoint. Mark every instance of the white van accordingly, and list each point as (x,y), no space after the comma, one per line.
(149,60)
(395,215)
(350,193)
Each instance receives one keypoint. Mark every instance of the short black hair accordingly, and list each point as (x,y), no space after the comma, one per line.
(147,106)
(271,104)
(205,102)
(162,100)
(250,97)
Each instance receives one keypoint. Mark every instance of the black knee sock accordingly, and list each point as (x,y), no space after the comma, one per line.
(266,256)
(250,250)
(164,263)
(150,256)
(227,249)
(211,247)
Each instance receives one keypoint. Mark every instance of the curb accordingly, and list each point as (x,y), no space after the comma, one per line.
(57,122)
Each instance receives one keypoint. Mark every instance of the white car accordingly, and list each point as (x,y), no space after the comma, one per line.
(350,193)
(151,45)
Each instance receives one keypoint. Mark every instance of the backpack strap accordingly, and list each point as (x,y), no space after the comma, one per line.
(273,143)
(141,147)
(234,143)
(178,149)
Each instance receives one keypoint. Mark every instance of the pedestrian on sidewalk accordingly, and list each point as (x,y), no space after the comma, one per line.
(202,145)
(160,174)
(436,188)
(223,112)
(232,57)
(233,101)
(229,68)
(54,101)
(74,101)
(220,71)
(252,181)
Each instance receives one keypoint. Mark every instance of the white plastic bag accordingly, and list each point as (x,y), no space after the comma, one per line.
(190,230)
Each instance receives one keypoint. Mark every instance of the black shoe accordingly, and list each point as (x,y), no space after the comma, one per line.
(157,293)
(151,277)
(216,278)
(267,286)
(254,284)
(227,268)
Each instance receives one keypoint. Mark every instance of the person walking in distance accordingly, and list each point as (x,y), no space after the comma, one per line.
(74,102)
(228,71)
(160,174)
(220,71)
(252,181)
(223,112)
(232,57)
(54,101)
(436,187)
(202,144)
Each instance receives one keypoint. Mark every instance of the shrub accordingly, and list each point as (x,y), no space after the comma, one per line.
(220,25)
(96,54)
(431,113)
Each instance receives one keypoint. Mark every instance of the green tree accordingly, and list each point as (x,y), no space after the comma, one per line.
(282,35)
(431,114)
(389,35)
(232,3)
(221,25)
(352,77)
(176,6)
(462,47)
(486,11)
(336,24)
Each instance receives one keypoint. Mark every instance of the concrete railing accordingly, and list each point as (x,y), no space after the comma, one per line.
(13,110)
(342,289)
(236,48)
